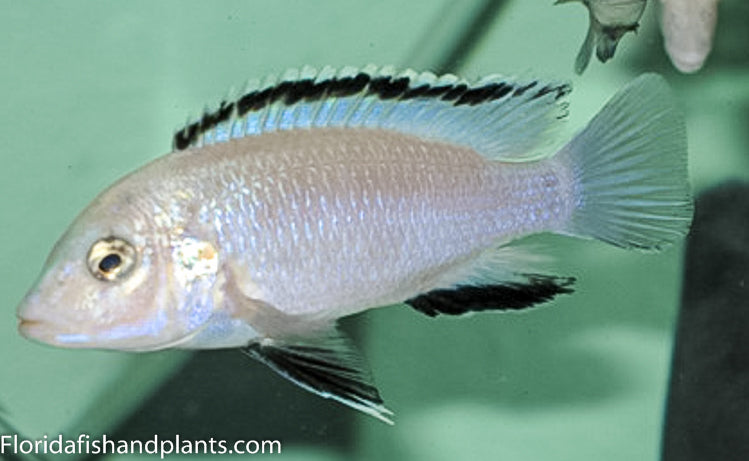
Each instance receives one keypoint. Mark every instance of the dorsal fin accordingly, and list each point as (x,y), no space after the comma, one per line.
(500,118)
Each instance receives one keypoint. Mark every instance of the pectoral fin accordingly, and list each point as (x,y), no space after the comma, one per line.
(328,366)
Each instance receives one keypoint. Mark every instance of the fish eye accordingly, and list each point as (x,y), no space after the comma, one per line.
(111,259)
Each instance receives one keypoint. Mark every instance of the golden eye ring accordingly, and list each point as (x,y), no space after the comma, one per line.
(111,259)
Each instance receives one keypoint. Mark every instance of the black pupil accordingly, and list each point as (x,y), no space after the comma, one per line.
(110,262)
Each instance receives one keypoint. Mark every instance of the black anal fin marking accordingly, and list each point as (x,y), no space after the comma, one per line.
(535,289)
(329,367)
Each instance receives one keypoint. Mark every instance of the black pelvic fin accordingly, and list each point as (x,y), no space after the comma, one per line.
(534,289)
(329,367)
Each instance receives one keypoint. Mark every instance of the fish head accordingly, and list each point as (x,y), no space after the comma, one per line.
(109,282)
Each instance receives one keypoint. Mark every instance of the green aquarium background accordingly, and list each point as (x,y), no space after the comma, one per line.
(93,89)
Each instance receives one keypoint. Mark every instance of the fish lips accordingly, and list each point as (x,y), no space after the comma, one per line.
(43,332)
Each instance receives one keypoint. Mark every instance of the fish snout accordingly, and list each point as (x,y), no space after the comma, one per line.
(29,328)
(27,322)
(45,332)
(35,321)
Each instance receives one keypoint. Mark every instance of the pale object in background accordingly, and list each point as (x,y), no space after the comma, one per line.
(688,27)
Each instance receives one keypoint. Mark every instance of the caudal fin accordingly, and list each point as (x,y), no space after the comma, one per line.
(630,170)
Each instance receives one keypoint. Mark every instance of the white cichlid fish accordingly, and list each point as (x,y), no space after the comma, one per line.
(323,194)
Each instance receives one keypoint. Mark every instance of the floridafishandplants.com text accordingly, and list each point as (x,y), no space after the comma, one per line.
(102,445)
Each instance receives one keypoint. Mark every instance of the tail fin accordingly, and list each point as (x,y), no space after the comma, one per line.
(630,171)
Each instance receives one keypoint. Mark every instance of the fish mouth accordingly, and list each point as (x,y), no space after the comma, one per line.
(42,332)
(27,327)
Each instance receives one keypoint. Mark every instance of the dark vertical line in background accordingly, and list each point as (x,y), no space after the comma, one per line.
(478,25)
(707,416)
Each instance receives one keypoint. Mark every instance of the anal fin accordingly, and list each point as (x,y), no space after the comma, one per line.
(328,366)
(531,290)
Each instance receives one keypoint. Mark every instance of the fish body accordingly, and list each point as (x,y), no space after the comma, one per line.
(323,194)
(360,218)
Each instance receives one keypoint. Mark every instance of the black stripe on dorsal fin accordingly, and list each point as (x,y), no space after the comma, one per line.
(309,85)
(534,289)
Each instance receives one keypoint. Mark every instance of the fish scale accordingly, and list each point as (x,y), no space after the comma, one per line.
(445,202)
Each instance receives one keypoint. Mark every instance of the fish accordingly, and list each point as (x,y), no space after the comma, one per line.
(688,27)
(609,20)
(320,194)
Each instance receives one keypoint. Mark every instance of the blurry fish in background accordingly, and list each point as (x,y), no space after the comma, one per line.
(323,194)
(609,21)
(688,27)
